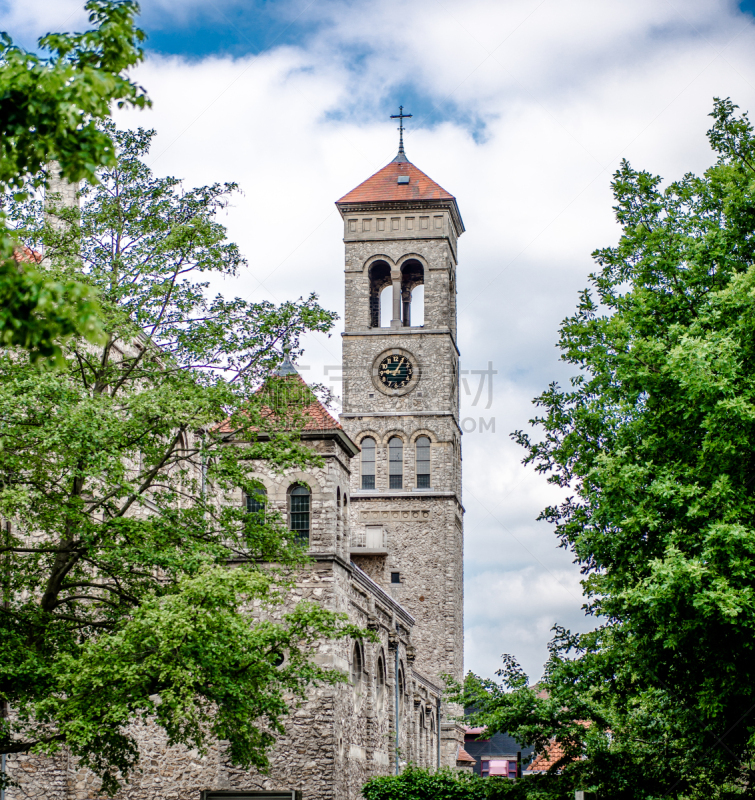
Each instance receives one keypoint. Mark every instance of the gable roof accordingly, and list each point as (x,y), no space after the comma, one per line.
(463,758)
(383,186)
(317,416)
(544,761)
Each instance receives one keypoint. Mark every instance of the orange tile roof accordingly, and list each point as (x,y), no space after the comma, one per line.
(463,757)
(383,186)
(546,760)
(553,754)
(27,254)
(316,415)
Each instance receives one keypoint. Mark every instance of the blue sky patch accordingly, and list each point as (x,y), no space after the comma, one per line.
(226,29)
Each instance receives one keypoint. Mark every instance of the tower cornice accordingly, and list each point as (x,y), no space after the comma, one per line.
(449,205)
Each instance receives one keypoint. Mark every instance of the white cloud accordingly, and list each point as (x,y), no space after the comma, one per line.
(565,90)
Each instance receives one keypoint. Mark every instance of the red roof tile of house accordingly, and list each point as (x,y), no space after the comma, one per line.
(318,418)
(315,416)
(383,186)
(546,760)
(553,754)
(463,757)
(27,254)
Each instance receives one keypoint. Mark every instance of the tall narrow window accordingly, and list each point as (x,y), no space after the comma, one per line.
(357,668)
(380,686)
(256,501)
(395,463)
(299,513)
(368,463)
(423,462)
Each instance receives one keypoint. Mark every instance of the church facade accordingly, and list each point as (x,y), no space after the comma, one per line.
(384,520)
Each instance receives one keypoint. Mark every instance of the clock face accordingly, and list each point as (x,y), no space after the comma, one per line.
(395,371)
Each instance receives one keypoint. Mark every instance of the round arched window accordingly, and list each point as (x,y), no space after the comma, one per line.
(357,668)
(380,686)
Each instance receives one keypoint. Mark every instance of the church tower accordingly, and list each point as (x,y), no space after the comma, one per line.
(401,401)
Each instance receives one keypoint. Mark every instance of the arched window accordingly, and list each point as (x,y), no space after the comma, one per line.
(412,294)
(368,463)
(423,462)
(401,693)
(395,463)
(380,280)
(256,500)
(299,513)
(357,668)
(380,685)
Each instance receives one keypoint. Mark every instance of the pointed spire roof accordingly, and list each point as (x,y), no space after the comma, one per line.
(384,185)
(287,367)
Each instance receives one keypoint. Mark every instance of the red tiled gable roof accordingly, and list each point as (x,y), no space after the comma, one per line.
(546,760)
(383,186)
(27,254)
(553,754)
(316,415)
(463,757)
(318,418)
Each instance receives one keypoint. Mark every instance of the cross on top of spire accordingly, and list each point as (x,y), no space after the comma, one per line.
(400,117)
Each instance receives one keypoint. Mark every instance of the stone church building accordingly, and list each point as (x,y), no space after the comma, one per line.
(384,521)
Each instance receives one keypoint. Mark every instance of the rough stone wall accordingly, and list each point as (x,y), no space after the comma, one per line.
(424,547)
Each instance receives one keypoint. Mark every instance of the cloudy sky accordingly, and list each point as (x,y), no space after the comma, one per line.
(522,110)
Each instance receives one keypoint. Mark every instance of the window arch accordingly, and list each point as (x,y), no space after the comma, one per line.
(412,306)
(423,462)
(380,685)
(380,279)
(357,668)
(395,463)
(256,500)
(368,463)
(401,693)
(299,512)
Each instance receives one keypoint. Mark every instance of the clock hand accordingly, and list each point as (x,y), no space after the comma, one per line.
(395,371)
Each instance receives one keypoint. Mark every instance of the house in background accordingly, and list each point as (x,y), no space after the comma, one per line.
(497,755)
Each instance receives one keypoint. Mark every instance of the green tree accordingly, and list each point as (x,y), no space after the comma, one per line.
(118,472)
(655,443)
(49,113)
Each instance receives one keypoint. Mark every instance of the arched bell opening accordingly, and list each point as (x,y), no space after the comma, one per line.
(380,281)
(413,294)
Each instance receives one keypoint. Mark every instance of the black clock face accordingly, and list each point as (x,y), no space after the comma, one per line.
(395,371)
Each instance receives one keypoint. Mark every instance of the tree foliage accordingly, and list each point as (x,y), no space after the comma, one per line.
(121,473)
(654,441)
(50,109)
